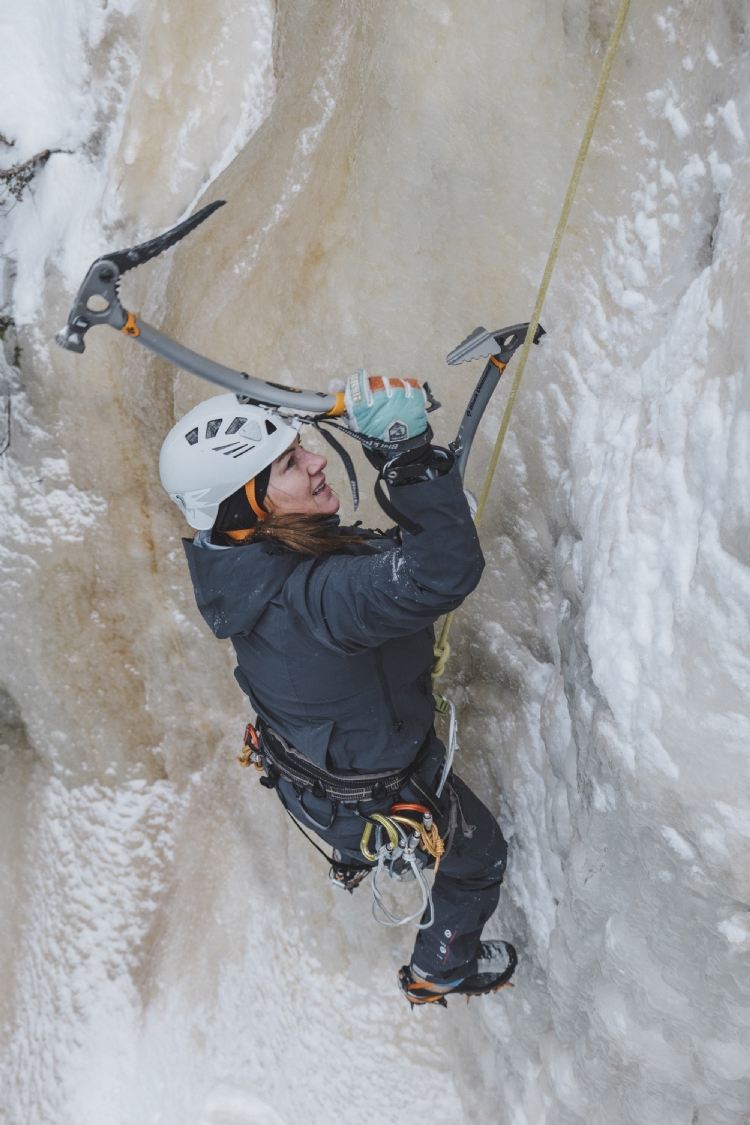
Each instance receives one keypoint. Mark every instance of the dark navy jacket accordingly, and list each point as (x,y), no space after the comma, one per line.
(335,652)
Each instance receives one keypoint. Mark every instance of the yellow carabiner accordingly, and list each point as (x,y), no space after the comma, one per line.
(391,829)
(389,826)
(365,841)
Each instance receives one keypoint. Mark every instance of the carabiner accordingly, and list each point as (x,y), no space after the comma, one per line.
(415,827)
(409,808)
(367,833)
(389,826)
(251,749)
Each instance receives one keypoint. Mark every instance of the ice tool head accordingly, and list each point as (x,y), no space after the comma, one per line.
(501,343)
(98,300)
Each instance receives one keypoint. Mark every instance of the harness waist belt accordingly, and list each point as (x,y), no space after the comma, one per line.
(283,761)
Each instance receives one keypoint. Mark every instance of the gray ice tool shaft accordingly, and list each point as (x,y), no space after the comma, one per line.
(478,403)
(500,346)
(254,390)
(98,302)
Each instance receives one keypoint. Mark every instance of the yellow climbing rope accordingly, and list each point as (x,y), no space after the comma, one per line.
(442,648)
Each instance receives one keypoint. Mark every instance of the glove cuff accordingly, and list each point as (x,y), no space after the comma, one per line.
(417,465)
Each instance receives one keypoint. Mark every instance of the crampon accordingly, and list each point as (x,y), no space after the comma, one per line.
(418,991)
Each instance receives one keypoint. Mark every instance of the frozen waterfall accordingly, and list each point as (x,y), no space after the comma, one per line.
(170,950)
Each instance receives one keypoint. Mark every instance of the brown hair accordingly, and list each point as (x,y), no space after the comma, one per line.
(297,531)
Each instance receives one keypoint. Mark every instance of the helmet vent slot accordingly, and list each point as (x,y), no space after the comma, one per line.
(270,428)
(236,425)
(213,427)
(192,437)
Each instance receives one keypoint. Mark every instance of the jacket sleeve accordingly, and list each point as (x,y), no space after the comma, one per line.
(355,602)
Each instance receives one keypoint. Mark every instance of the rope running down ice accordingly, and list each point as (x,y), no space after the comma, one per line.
(442,648)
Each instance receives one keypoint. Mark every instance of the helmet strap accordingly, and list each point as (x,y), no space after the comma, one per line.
(250,493)
(243,533)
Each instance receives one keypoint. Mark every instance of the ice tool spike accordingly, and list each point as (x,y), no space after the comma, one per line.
(499,346)
(98,302)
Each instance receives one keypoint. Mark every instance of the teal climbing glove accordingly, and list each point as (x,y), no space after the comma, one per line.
(390,410)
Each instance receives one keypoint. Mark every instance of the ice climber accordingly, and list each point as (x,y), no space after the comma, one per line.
(333,631)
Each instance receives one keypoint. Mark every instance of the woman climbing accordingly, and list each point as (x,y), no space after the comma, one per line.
(333,631)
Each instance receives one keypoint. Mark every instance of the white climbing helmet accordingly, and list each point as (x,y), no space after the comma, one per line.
(217,447)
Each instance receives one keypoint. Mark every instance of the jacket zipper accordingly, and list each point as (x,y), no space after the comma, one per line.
(397,724)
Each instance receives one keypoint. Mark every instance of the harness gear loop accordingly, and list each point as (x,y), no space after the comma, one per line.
(442,645)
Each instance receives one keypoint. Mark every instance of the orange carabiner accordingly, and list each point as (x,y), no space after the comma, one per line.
(410,808)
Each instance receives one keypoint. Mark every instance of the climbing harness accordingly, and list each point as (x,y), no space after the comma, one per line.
(345,788)
(442,649)
(397,835)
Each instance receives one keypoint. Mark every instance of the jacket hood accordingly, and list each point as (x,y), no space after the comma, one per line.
(234,586)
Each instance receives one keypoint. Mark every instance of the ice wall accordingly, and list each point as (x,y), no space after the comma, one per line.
(170,950)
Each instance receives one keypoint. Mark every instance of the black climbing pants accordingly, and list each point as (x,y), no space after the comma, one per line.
(466,889)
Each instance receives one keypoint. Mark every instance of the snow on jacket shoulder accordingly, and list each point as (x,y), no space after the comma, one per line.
(335,652)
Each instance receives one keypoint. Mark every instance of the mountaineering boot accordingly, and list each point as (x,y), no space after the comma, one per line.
(497,963)
(497,957)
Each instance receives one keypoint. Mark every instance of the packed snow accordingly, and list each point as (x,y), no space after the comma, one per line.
(170,950)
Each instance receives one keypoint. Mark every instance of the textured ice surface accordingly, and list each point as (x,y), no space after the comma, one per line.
(170,951)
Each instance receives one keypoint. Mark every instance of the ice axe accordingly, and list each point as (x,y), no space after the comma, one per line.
(98,302)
